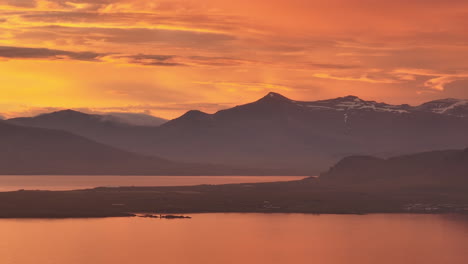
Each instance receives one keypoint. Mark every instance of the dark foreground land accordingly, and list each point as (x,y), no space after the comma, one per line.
(305,196)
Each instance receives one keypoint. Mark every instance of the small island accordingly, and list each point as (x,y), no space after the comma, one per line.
(161,216)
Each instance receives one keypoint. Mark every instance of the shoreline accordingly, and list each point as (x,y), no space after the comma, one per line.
(308,196)
(194,214)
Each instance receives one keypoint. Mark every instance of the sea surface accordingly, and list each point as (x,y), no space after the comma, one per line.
(13,183)
(238,238)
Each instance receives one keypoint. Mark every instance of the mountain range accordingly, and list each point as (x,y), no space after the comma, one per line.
(276,132)
(28,150)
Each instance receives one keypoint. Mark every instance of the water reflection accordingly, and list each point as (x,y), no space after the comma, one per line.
(239,238)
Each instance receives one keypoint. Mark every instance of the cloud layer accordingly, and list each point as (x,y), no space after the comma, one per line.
(43,53)
(116,53)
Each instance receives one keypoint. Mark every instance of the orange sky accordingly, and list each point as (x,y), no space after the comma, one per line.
(167,57)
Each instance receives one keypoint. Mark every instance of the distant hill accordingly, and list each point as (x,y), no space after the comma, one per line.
(438,168)
(281,133)
(135,119)
(105,129)
(28,150)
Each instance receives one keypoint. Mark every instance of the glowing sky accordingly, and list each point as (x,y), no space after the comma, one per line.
(167,57)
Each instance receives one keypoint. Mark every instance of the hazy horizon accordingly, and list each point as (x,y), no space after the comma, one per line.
(40,111)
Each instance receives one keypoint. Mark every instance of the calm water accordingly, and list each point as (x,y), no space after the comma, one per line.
(13,183)
(238,238)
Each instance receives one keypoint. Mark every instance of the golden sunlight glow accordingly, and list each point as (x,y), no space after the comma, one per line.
(168,57)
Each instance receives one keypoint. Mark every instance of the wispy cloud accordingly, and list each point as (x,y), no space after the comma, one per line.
(247,86)
(150,60)
(437,80)
(20,3)
(8,52)
(43,53)
(363,78)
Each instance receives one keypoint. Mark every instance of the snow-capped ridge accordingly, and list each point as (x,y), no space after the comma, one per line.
(452,106)
(353,103)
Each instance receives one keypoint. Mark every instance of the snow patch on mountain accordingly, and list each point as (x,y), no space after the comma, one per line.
(352,103)
(449,106)
(443,108)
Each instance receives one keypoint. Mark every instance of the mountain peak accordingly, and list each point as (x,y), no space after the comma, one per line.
(65,113)
(273,94)
(274,97)
(195,113)
(192,116)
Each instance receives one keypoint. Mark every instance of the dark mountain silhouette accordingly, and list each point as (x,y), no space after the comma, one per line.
(101,128)
(70,119)
(436,168)
(28,150)
(277,132)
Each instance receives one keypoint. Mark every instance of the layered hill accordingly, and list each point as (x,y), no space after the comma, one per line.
(106,129)
(27,150)
(277,132)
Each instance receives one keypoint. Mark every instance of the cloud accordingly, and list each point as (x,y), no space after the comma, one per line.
(331,66)
(124,36)
(363,78)
(9,52)
(150,60)
(247,86)
(439,83)
(173,60)
(186,22)
(437,80)
(20,3)
(229,49)
(218,61)
(148,35)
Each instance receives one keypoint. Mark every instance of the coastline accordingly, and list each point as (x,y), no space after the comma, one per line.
(307,196)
